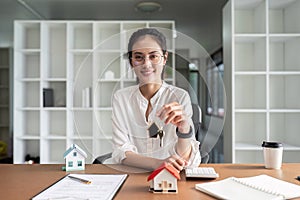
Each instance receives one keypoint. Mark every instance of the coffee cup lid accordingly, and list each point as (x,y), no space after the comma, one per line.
(271,144)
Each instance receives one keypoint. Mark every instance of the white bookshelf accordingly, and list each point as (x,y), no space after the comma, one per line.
(262,76)
(68,57)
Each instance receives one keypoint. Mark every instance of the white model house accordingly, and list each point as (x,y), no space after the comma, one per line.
(164,179)
(75,158)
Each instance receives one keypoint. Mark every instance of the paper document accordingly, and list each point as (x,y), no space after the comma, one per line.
(100,187)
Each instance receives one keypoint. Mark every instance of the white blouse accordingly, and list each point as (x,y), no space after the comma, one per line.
(130,128)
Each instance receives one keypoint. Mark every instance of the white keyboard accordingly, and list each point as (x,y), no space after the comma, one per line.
(201,172)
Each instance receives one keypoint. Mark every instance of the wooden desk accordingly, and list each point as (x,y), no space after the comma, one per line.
(25,181)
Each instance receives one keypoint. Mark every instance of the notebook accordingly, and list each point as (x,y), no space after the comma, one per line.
(257,187)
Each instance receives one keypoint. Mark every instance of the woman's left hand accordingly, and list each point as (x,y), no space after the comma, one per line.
(174,113)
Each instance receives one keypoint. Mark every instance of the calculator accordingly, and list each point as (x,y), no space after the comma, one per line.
(201,172)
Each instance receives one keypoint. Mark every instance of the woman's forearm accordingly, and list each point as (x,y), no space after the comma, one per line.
(184,148)
(136,160)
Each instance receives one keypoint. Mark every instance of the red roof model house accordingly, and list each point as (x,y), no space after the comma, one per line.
(164,179)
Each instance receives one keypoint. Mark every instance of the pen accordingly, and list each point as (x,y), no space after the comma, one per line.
(80,180)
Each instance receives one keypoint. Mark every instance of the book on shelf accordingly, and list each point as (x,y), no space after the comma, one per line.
(86,97)
(262,187)
(48,97)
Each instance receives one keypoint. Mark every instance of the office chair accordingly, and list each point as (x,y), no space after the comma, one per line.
(197,119)
(199,133)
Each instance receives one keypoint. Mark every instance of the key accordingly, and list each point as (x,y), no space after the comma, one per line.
(153,130)
(160,133)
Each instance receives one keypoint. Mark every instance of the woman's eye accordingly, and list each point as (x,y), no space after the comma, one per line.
(138,57)
(153,57)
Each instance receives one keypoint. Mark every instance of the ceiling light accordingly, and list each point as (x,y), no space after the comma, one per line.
(148,7)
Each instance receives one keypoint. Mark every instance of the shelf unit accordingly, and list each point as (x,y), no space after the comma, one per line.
(74,59)
(5,100)
(262,75)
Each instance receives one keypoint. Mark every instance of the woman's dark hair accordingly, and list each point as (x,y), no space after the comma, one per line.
(154,33)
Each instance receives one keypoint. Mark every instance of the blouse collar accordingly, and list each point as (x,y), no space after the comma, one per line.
(156,96)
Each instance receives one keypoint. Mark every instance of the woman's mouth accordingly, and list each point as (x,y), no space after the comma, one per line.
(147,72)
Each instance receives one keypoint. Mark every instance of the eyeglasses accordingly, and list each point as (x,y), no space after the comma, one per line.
(139,59)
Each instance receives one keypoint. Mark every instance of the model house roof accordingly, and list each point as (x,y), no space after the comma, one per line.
(79,150)
(166,166)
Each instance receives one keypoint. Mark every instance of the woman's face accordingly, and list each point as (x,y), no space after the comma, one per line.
(148,60)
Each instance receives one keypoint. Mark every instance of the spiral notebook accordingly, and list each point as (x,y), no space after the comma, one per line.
(257,187)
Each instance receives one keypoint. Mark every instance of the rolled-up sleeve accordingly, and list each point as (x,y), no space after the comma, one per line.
(121,142)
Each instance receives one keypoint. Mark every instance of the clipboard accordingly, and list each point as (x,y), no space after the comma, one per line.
(103,186)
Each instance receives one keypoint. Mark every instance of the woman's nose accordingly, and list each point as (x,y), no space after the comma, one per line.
(147,61)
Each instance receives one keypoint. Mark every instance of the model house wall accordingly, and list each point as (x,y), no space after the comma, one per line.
(75,158)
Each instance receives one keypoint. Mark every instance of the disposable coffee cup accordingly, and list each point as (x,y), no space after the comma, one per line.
(272,154)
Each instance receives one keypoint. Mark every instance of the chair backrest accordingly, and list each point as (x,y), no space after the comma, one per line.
(197,115)
(199,133)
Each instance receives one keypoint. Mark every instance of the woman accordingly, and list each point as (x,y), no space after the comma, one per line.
(137,109)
